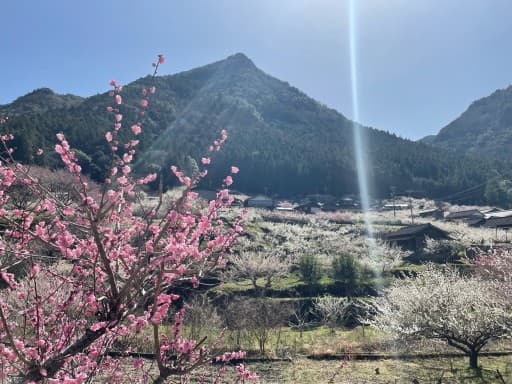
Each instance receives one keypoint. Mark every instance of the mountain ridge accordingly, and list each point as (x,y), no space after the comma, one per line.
(283,141)
(484,128)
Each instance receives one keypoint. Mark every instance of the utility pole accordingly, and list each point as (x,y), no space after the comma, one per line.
(393,192)
(410,206)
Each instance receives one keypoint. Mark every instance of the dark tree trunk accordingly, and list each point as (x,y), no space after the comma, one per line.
(473,359)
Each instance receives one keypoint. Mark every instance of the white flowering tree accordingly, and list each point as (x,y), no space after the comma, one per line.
(465,311)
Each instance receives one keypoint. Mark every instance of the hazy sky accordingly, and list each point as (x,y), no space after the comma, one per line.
(420,62)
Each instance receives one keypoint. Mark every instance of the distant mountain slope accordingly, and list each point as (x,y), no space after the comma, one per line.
(429,139)
(485,128)
(283,141)
(40,100)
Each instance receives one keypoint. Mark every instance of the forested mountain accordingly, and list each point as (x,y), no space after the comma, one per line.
(484,129)
(40,100)
(283,141)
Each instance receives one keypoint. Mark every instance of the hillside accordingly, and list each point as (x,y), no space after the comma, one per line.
(283,141)
(39,100)
(485,128)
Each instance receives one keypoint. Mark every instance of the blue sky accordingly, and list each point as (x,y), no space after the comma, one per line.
(420,62)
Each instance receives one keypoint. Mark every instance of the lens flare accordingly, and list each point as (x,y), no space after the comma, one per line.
(359,144)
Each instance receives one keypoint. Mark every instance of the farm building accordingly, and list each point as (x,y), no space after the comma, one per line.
(491,210)
(391,207)
(260,201)
(496,214)
(499,222)
(413,237)
(470,214)
(435,213)
(308,207)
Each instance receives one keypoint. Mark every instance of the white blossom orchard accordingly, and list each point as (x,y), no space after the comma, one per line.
(465,311)
(95,272)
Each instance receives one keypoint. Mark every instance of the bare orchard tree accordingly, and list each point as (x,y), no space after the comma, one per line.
(255,265)
(201,317)
(265,318)
(465,311)
(331,310)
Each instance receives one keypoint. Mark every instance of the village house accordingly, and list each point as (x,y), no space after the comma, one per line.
(434,213)
(413,237)
(260,201)
(464,216)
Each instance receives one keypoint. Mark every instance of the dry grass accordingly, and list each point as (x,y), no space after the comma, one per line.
(449,371)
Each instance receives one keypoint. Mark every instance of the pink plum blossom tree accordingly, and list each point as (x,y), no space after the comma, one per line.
(108,273)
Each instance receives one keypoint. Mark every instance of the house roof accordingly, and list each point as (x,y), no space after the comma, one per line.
(499,222)
(412,231)
(501,213)
(491,210)
(206,194)
(471,213)
(475,222)
(260,197)
(430,212)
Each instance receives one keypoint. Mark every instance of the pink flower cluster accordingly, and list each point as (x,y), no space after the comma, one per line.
(112,272)
(229,356)
(245,374)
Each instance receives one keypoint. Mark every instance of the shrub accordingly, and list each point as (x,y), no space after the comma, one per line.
(310,269)
(442,251)
(347,273)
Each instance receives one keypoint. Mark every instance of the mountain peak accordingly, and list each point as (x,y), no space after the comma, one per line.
(42,91)
(40,100)
(240,60)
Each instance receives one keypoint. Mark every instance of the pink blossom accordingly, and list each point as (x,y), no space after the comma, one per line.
(244,373)
(119,100)
(110,109)
(112,83)
(152,89)
(108,136)
(138,363)
(39,151)
(234,169)
(161,59)
(205,160)
(228,180)
(98,326)
(136,129)
(34,270)
(118,117)
(67,211)
(8,278)
(144,103)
